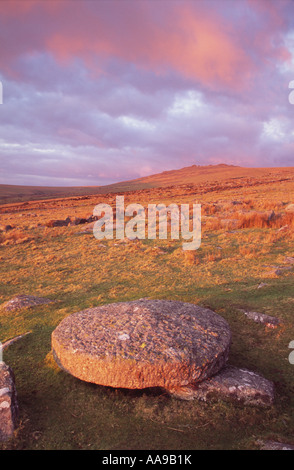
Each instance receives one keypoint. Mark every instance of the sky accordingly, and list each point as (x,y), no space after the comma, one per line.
(96,92)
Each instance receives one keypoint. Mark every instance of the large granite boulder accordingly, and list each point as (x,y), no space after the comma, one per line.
(8,402)
(143,343)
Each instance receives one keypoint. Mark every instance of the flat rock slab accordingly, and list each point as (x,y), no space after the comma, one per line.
(9,342)
(24,301)
(238,385)
(143,343)
(8,402)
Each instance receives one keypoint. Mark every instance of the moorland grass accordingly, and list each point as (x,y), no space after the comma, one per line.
(58,411)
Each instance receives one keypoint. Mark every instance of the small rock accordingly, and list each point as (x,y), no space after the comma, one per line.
(13,340)
(8,402)
(268,320)
(289,259)
(56,223)
(261,285)
(283,229)
(281,270)
(270,214)
(88,228)
(5,228)
(24,301)
(124,240)
(272,445)
(238,385)
(79,221)
(290,208)
(91,218)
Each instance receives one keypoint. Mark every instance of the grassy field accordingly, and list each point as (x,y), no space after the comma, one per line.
(243,248)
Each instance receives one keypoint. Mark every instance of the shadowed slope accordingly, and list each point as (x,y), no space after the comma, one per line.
(193,174)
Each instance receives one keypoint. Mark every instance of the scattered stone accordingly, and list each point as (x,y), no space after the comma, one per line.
(281,270)
(289,259)
(88,228)
(272,445)
(90,218)
(66,222)
(270,215)
(142,343)
(78,221)
(268,320)
(159,250)
(57,223)
(290,208)
(278,270)
(6,228)
(8,402)
(24,301)
(231,383)
(13,340)
(124,240)
(72,220)
(261,285)
(283,229)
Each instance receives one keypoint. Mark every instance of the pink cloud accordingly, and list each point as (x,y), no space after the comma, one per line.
(117,89)
(196,44)
(193,39)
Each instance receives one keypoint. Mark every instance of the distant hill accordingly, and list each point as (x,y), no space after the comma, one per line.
(195,174)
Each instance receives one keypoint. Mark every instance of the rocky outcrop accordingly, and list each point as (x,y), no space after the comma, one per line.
(58,223)
(70,221)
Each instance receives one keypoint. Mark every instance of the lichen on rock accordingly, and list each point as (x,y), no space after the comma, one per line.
(143,343)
